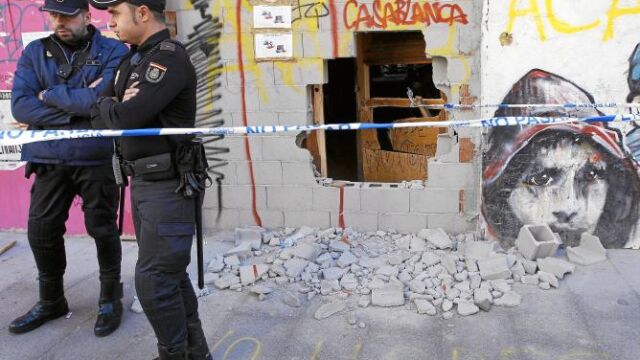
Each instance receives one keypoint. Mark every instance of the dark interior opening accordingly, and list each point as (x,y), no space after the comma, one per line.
(340,107)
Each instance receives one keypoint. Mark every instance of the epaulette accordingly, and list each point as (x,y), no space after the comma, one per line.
(168,46)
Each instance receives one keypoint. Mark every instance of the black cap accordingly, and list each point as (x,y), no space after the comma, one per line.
(65,7)
(155,5)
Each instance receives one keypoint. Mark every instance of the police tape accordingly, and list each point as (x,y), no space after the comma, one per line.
(569,106)
(20,137)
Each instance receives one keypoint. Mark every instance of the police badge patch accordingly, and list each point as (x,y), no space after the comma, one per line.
(155,72)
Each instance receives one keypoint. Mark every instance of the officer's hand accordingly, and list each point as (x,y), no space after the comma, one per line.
(41,95)
(131,91)
(95,83)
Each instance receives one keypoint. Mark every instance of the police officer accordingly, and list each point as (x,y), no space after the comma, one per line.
(57,80)
(156,88)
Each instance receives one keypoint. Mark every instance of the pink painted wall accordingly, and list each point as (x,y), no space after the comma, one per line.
(16,17)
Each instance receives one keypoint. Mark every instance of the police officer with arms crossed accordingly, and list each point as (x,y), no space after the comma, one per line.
(57,80)
(155,87)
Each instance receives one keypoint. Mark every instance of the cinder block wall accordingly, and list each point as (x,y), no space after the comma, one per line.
(287,192)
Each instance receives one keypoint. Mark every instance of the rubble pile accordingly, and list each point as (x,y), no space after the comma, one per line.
(431,272)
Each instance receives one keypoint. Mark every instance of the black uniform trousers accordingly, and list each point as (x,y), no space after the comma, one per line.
(165,225)
(52,194)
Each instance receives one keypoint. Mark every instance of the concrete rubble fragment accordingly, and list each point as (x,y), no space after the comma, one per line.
(466,308)
(425,307)
(589,252)
(390,295)
(494,268)
(438,238)
(329,309)
(251,273)
(136,307)
(509,299)
(555,266)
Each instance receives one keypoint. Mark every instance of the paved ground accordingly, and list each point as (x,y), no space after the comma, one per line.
(594,315)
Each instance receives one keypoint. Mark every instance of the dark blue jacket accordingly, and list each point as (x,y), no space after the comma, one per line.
(65,106)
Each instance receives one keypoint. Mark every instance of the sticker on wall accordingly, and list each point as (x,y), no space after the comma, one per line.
(274,46)
(272,17)
(9,154)
(28,37)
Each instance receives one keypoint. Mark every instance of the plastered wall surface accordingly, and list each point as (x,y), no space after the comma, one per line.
(578,178)
(284,188)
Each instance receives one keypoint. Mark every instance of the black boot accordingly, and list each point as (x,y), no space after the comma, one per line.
(172,354)
(198,348)
(52,305)
(110,311)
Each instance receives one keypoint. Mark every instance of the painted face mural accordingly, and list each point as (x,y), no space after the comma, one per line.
(575,178)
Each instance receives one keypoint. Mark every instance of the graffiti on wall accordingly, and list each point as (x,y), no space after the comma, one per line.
(22,17)
(540,10)
(575,178)
(314,10)
(382,14)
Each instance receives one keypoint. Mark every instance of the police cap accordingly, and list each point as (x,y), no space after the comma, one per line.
(65,7)
(155,5)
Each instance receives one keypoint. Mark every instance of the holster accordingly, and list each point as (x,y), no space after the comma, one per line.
(192,166)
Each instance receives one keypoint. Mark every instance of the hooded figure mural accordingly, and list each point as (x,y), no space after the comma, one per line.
(575,178)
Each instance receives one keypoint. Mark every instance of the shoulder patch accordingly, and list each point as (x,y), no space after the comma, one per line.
(167,46)
(155,72)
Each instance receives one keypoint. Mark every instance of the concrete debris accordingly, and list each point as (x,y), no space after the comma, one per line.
(494,268)
(537,241)
(261,290)
(226,281)
(589,252)
(466,308)
(555,266)
(362,325)
(251,273)
(329,309)
(437,238)
(136,307)
(549,278)
(478,250)
(425,307)
(295,267)
(509,299)
(346,259)
(390,295)
(431,271)
(216,264)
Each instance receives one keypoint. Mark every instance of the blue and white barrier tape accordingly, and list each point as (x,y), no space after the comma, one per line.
(570,106)
(19,137)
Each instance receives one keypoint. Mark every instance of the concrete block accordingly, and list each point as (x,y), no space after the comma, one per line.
(249,274)
(294,118)
(270,218)
(408,223)
(318,219)
(452,223)
(264,173)
(555,266)
(289,198)
(231,100)
(466,308)
(328,198)
(230,19)
(230,175)
(482,298)
(283,148)
(237,149)
(451,175)
(255,118)
(289,97)
(317,44)
(390,295)
(295,266)
(494,268)
(537,241)
(228,219)
(358,220)
(259,74)
(385,200)
(305,71)
(229,47)
(431,200)
(589,252)
(299,172)
(240,197)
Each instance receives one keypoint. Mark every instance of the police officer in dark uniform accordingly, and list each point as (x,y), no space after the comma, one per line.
(155,87)
(57,81)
